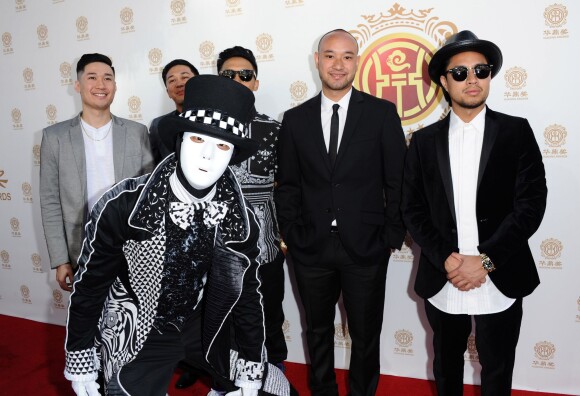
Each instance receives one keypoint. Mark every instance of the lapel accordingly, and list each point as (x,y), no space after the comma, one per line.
(442,148)
(119,139)
(489,135)
(78,149)
(315,122)
(354,112)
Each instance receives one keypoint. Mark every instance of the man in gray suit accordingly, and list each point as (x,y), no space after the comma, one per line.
(81,158)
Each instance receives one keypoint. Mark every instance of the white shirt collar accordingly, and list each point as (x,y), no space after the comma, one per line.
(478,122)
(326,103)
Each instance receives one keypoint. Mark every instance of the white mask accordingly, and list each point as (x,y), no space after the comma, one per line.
(204,159)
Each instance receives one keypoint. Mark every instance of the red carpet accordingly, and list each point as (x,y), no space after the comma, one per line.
(32,361)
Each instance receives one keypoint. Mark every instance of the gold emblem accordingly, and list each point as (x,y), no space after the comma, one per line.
(51,112)
(6,39)
(341,332)
(36,152)
(264,43)
(42,32)
(19,2)
(471,347)
(155,57)
(298,90)
(555,15)
(177,7)
(25,291)
(286,326)
(3,181)
(134,104)
(16,116)
(551,248)
(28,75)
(57,296)
(544,350)
(126,15)
(515,78)
(15,224)
(206,50)
(36,260)
(394,66)
(232,3)
(65,70)
(555,135)
(82,24)
(26,189)
(404,338)
(5,257)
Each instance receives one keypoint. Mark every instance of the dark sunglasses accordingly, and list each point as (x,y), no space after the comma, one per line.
(459,73)
(245,75)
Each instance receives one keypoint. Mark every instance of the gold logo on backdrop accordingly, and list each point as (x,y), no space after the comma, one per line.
(42,32)
(82,24)
(51,114)
(5,257)
(7,43)
(286,330)
(28,75)
(20,6)
(516,80)
(544,352)
(57,299)
(555,138)
(298,92)
(404,342)
(65,73)
(293,3)
(555,19)
(178,11)
(233,7)
(134,108)
(155,58)
(15,226)
(126,16)
(16,118)
(551,250)
(264,45)
(341,336)
(405,254)
(471,354)
(25,293)
(206,52)
(393,66)
(3,181)
(36,154)
(26,192)
(36,262)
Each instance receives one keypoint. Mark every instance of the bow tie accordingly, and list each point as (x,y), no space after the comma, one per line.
(182,213)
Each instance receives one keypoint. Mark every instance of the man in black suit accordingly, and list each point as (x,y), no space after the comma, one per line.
(340,164)
(174,75)
(474,193)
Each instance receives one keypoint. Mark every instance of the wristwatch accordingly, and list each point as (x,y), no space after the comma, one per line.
(486,263)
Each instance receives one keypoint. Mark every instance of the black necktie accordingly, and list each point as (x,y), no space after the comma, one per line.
(333,145)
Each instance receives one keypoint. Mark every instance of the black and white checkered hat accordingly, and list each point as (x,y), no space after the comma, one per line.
(217,107)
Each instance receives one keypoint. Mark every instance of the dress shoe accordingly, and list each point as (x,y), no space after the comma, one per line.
(186,380)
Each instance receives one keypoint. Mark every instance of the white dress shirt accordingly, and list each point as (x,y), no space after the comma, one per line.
(465,144)
(98,160)
(326,116)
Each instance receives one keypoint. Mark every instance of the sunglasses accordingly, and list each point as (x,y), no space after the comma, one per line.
(245,75)
(459,73)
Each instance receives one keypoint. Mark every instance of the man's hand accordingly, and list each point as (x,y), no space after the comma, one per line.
(86,388)
(453,261)
(64,276)
(469,275)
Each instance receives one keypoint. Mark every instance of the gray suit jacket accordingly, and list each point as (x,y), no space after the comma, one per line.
(63,179)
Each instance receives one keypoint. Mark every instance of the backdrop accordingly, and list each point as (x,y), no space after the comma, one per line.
(42,41)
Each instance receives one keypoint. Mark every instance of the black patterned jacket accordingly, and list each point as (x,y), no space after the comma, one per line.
(115,295)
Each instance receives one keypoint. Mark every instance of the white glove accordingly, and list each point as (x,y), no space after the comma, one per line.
(86,388)
(243,392)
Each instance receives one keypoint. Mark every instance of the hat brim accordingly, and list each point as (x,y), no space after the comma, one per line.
(439,61)
(173,125)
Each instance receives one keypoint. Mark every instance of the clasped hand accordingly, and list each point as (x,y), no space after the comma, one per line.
(465,272)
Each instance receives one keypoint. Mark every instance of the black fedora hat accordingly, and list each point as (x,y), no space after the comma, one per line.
(217,107)
(462,42)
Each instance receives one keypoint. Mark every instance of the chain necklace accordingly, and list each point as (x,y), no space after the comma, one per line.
(92,138)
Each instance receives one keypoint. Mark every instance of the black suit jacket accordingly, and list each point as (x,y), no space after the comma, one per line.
(158,148)
(362,192)
(510,202)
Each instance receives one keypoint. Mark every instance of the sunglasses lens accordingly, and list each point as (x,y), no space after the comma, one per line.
(246,75)
(482,71)
(228,74)
(459,73)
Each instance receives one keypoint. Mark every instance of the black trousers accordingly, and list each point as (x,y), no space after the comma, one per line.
(363,293)
(149,374)
(272,288)
(496,337)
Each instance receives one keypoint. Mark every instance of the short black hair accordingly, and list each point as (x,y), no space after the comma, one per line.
(92,58)
(237,52)
(176,62)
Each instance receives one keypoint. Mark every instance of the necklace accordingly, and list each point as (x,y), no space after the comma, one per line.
(92,138)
